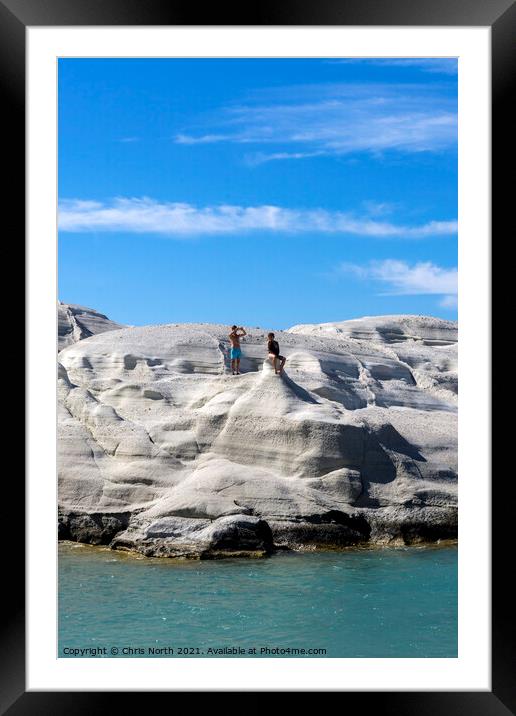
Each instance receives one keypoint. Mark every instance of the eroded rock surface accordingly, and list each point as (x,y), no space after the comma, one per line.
(77,322)
(163,451)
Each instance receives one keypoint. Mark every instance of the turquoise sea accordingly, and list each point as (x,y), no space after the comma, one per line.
(391,602)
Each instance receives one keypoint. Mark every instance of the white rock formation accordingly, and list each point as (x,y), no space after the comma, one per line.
(162,450)
(427,345)
(77,322)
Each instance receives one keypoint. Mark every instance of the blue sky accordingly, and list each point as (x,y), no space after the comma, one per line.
(258,192)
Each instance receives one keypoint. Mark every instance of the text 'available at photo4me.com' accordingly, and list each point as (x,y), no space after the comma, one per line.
(183,651)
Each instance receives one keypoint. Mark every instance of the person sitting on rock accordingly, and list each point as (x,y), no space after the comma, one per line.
(236,351)
(274,354)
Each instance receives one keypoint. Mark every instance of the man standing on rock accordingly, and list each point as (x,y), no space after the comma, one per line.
(274,354)
(236,351)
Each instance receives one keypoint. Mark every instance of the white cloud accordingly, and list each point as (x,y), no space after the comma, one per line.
(437,65)
(262,157)
(401,278)
(145,215)
(202,139)
(378,208)
(336,119)
(449,302)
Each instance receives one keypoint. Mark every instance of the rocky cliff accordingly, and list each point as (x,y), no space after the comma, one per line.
(163,451)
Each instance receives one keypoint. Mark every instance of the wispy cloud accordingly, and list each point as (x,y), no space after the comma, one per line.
(335,119)
(378,208)
(400,278)
(145,215)
(202,139)
(435,65)
(450,302)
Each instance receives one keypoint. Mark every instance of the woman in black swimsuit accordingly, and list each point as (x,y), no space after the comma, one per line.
(273,348)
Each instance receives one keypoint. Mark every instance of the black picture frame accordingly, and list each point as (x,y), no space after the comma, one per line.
(500,16)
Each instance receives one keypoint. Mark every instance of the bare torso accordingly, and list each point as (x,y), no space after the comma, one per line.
(235,336)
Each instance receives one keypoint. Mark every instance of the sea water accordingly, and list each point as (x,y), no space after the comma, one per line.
(390,602)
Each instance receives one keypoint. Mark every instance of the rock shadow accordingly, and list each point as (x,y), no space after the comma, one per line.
(298,390)
(390,438)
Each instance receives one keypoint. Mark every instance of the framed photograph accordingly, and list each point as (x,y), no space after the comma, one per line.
(258,295)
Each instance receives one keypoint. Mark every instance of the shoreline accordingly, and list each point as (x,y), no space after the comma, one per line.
(139,556)
(254,537)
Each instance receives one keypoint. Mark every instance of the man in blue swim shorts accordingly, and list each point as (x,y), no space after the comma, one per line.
(235,351)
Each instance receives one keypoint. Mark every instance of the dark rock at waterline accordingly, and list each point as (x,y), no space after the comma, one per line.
(248,536)
(91,528)
(403,524)
(231,536)
(334,529)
